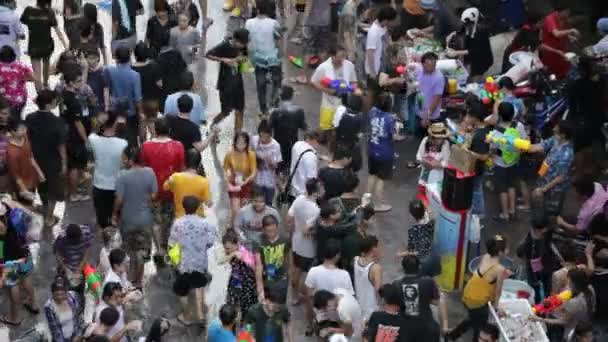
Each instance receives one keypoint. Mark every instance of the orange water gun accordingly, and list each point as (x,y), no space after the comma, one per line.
(551,303)
(245,335)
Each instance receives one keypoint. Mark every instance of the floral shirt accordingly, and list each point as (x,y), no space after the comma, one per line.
(559,161)
(12,82)
(420,238)
(195,235)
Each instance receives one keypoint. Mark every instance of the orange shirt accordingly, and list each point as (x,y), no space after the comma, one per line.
(183,184)
(240,164)
(20,164)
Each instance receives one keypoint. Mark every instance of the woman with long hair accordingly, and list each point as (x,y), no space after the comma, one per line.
(240,167)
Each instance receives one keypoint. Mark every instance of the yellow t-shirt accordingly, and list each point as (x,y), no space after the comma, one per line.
(240,164)
(183,184)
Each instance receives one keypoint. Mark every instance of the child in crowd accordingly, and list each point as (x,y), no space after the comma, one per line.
(420,239)
(433,154)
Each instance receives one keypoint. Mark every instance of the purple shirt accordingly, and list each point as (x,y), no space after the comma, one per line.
(430,85)
(591,207)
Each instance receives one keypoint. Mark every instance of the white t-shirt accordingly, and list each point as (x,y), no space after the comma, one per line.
(304,212)
(10,29)
(263,40)
(349,311)
(120,324)
(326,69)
(112,277)
(307,168)
(329,279)
(107,152)
(375,41)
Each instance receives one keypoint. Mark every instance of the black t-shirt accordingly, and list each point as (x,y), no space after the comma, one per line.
(334,181)
(229,77)
(71,112)
(133,6)
(349,128)
(417,294)
(184,131)
(39,22)
(96,42)
(384,326)
(157,33)
(480,146)
(337,231)
(391,71)
(267,328)
(12,246)
(286,121)
(149,75)
(46,133)
(97,82)
(480,56)
(172,65)
(275,256)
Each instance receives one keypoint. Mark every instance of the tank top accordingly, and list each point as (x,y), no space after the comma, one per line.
(364,289)
(478,291)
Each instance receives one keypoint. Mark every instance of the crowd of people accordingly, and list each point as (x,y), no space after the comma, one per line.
(300,225)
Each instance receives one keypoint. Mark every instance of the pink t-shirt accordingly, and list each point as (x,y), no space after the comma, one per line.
(12,82)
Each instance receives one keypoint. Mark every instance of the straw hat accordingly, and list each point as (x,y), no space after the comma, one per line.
(438,130)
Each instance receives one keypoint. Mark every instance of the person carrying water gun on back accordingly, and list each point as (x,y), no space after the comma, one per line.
(506,158)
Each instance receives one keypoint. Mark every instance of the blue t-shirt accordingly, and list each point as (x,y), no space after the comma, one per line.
(517,103)
(380,141)
(125,86)
(217,333)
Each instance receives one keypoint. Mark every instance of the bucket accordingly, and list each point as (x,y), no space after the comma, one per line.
(508,263)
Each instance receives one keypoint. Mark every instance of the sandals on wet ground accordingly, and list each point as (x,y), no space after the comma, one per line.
(4,319)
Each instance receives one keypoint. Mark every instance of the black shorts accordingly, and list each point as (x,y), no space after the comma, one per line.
(185,282)
(77,155)
(233,99)
(382,169)
(504,178)
(302,263)
(53,189)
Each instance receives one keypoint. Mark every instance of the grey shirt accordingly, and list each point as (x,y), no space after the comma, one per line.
(320,13)
(249,222)
(184,41)
(136,186)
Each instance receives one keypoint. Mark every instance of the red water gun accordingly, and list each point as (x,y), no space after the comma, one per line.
(551,303)
(245,336)
(93,280)
(400,69)
(341,87)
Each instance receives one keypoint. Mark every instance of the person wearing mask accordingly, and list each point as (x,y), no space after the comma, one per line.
(580,308)
(374,46)
(380,149)
(185,38)
(268,154)
(249,219)
(72,250)
(22,167)
(270,319)
(336,67)
(62,313)
(46,133)
(189,182)
(368,276)
(14,76)
(334,175)
(287,120)
(337,313)
(158,27)
(136,188)
(484,286)
(264,50)
(194,235)
(223,329)
(556,34)
(166,157)
(554,172)
(231,54)
(477,51)
(151,84)
(240,168)
(593,197)
(107,154)
(197,115)
(40,19)
(182,129)
(300,218)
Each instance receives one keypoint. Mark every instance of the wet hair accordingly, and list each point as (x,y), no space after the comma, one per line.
(228,314)
(539,222)
(332,249)
(230,236)
(286,93)
(141,52)
(193,159)
(264,127)
(241,135)
(109,316)
(322,298)
(368,244)
(45,97)
(73,234)
(386,13)
(186,80)
(410,264)
(241,36)
(328,208)
(429,56)
(492,330)
(584,186)
(495,245)
(506,82)
(109,289)
(191,204)
(185,104)
(312,186)
(269,220)
(566,129)
(161,126)
(506,111)
(390,294)
(417,209)
(117,256)
(122,54)
(7,54)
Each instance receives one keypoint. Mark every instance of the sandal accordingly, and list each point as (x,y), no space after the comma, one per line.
(4,319)
(31,309)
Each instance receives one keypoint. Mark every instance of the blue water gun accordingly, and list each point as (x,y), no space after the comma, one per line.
(455,135)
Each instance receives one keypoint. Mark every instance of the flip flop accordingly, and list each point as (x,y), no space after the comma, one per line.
(3,319)
(31,309)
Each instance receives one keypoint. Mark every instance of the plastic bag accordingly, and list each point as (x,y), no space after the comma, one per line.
(475,229)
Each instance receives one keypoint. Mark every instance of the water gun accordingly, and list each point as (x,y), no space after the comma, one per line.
(93,280)
(245,335)
(12,263)
(297,61)
(490,92)
(400,69)
(455,134)
(499,138)
(551,303)
(340,86)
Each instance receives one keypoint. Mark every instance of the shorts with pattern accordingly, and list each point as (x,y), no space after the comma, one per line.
(138,243)
(318,40)
(18,272)
(164,213)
